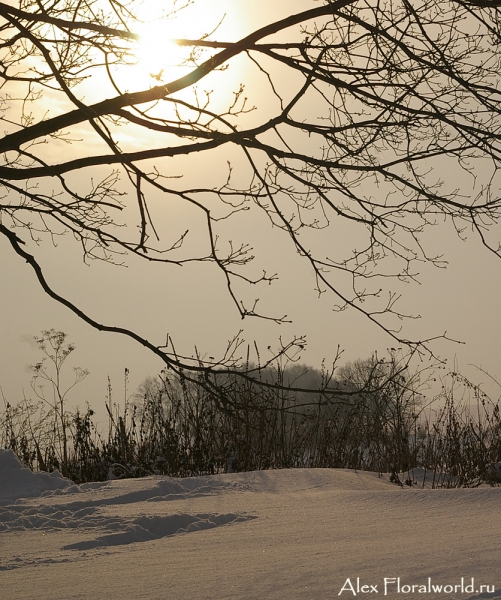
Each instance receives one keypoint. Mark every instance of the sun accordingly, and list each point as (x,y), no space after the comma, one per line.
(155,58)
(158,57)
(159,23)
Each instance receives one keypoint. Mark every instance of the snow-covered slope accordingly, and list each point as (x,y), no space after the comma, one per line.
(307,534)
(17,481)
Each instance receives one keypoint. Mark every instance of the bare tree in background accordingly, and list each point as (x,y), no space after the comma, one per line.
(378,118)
(386,387)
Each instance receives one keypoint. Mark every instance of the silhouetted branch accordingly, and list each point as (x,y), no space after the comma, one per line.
(377,121)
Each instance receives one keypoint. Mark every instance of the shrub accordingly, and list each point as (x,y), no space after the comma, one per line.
(369,417)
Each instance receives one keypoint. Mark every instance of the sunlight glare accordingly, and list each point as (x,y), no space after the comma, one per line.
(158,56)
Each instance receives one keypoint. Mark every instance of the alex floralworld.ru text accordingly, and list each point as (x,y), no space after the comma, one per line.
(394,585)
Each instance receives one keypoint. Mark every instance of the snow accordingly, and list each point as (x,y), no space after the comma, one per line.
(293,534)
(18,481)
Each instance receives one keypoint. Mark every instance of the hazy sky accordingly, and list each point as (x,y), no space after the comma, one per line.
(190,303)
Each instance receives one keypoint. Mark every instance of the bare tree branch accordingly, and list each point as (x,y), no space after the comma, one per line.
(378,120)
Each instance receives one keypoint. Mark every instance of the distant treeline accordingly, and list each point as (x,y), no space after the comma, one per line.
(367,415)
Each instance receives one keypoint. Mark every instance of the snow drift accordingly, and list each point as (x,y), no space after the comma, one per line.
(305,534)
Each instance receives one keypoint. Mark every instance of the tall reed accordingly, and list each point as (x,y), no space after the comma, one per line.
(178,427)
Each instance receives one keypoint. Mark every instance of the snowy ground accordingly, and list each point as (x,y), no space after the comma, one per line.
(307,534)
